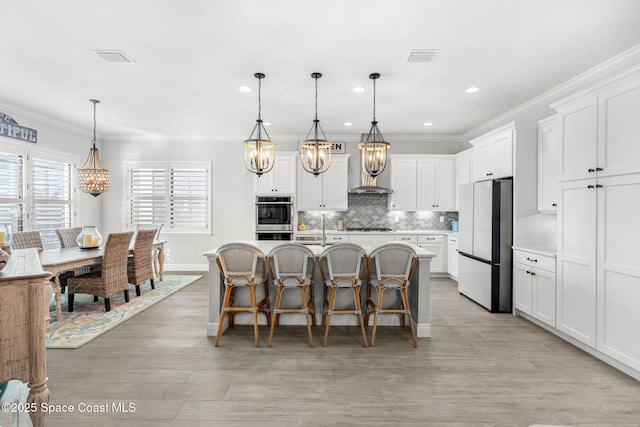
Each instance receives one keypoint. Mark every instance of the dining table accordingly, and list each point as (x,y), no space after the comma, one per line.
(59,260)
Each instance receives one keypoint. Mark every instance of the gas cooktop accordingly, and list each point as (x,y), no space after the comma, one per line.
(368,229)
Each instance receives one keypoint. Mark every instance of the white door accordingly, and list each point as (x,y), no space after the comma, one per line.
(576,260)
(483,219)
(452,261)
(309,194)
(335,185)
(404,184)
(618,268)
(544,296)
(578,126)
(285,173)
(502,155)
(444,189)
(522,288)
(483,161)
(426,172)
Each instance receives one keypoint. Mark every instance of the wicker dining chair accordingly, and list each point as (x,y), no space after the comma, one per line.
(342,267)
(113,277)
(68,236)
(238,263)
(140,266)
(26,240)
(292,266)
(391,267)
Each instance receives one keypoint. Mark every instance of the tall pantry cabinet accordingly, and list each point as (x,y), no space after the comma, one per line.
(598,267)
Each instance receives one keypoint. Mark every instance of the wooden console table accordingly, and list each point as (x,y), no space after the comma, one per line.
(23,327)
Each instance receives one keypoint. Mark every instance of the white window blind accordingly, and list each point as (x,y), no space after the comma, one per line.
(176,195)
(36,191)
(12,208)
(51,189)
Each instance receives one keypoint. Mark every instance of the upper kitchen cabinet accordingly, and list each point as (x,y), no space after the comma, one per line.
(424,183)
(598,133)
(493,154)
(281,179)
(327,191)
(464,170)
(436,189)
(404,183)
(548,165)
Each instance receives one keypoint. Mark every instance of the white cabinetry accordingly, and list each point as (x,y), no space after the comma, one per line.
(404,183)
(281,179)
(534,285)
(452,258)
(464,170)
(422,183)
(434,243)
(327,191)
(370,237)
(493,155)
(407,238)
(336,237)
(436,189)
(548,165)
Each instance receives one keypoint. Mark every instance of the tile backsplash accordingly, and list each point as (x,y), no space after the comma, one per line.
(371,210)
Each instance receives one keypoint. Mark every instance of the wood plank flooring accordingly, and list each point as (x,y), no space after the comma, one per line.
(478,369)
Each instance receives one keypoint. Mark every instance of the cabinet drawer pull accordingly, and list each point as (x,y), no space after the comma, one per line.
(598,185)
(431,238)
(591,170)
(490,173)
(554,205)
(590,186)
(598,169)
(532,260)
(405,238)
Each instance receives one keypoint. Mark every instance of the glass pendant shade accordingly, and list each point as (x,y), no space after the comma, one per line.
(315,149)
(93,178)
(374,148)
(259,150)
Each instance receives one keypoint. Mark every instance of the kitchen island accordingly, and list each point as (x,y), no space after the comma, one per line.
(418,291)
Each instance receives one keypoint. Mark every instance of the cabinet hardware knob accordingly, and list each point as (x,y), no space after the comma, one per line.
(598,169)
(590,186)
(554,204)
(490,173)
(532,260)
(591,170)
(598,185)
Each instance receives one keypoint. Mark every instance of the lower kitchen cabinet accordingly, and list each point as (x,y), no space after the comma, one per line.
(435,243)
(534,285)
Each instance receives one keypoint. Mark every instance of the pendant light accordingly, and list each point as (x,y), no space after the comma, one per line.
(315,152)
(374,147)
(93,178)
(259,150)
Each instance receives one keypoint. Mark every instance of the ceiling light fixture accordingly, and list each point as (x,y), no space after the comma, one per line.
(348,124)
(428,124)
(473,89)
(358,89)
(244,89)
(374,147)
(93,178)
(259,150)
(315,152)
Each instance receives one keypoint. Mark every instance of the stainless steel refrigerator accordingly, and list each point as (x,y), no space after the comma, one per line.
(484,243)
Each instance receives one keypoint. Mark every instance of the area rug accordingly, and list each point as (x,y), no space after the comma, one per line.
(89,320)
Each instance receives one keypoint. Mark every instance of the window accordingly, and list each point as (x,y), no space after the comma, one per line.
(174,194)
(36,191)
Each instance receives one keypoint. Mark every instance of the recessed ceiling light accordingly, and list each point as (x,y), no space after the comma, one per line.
(266,123)
(428,124)
(473,89)
(348,124)
(244,89)
(358,89)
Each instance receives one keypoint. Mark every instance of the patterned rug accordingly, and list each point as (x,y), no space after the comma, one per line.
(89,320)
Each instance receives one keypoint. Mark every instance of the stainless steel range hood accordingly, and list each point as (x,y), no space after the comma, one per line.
(368,186)
(370,189)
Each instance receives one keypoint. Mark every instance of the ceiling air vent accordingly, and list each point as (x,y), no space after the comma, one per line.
(422,56)
(113,56)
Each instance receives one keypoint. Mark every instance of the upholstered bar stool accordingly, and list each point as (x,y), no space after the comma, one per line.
(292,266)
(239,263)
(342,267)
(391,267)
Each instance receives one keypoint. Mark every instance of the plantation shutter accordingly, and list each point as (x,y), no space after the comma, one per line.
(147,196)
(189,199)
(12,199)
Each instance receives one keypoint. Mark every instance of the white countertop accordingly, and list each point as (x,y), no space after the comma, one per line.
(334,232)
(267,245)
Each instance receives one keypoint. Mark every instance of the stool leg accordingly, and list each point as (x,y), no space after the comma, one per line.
(225,304)
(375,315)
(254,306)
(356,297)
(303,301)
(327,317)
(405,304)
(276,316)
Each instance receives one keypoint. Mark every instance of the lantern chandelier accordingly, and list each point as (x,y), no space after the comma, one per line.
(259,150)
(93,178)
(315,152)
(374,147)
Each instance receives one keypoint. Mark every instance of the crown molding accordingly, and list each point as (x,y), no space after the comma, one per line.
(10,109)
(618,68)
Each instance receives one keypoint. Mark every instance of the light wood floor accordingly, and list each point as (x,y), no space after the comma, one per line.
(478,369)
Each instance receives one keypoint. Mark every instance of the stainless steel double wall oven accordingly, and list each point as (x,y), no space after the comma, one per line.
(274,218)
